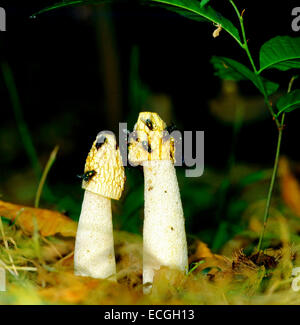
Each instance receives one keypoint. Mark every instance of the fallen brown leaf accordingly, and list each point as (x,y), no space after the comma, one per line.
(213,263)
(67,288)
(199,250)
(49,222)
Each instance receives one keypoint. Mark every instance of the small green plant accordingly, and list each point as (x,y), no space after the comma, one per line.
(281,53)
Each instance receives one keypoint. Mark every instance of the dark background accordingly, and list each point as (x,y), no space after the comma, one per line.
(58,61)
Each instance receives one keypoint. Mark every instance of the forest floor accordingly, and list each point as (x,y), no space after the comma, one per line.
(37,246)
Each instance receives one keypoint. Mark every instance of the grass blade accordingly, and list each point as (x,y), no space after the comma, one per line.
(44,176)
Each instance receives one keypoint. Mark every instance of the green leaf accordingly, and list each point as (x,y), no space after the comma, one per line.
(195,10)
(192,9)
(232,70)
(70,3)
(6,220)
(270,86)
(281,52)
(203,3)
(289,102)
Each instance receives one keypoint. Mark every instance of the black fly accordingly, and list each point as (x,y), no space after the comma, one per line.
(149,124)
(87,176)
(170,128)
(146,146)
(100,141)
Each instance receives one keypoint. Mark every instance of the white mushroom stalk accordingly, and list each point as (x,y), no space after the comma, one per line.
(164,226)
(103,180)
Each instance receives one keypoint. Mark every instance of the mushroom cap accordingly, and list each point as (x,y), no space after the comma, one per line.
(104,162)
(151,141)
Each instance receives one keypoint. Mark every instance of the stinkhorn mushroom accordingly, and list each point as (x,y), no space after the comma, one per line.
(103,180)
(164,238)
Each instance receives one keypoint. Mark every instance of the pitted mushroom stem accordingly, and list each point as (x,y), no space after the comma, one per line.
(103,180)
(164,229)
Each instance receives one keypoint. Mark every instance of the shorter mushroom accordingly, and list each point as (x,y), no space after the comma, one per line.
(164,227)
(103,180)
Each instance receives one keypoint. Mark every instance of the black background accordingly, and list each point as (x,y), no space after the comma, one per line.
(55,63)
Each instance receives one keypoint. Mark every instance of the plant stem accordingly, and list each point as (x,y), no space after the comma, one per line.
(279,125)
(244,46)
(275,169)
(44,176)
(271,187)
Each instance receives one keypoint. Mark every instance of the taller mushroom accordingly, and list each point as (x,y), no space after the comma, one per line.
(164,227)
(103,180)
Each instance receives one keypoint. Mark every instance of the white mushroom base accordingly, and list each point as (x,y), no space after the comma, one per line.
(164,230)
(94,254)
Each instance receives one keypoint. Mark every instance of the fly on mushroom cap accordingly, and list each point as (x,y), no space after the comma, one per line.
(164,239)
(105,162)
(150,143)
(103,180)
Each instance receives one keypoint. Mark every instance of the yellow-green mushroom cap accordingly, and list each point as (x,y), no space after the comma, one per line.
(150,142)
(104,162)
